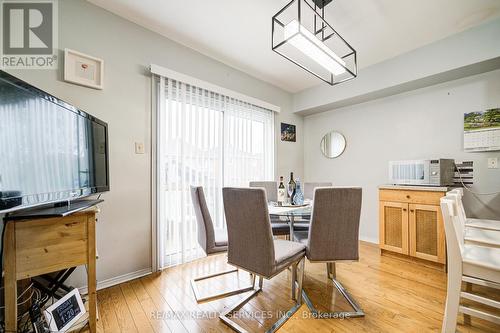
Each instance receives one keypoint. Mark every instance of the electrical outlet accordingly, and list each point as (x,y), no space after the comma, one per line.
(493,163)
(139,148)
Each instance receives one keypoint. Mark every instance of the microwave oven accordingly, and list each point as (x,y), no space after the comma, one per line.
(439,172)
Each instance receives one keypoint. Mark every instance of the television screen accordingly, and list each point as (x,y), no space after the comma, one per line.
(50,151)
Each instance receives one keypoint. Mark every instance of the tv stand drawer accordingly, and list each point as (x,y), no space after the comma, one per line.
(40,244)
(411,196)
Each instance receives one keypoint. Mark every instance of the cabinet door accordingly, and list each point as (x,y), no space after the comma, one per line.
(394,226)
(427,240)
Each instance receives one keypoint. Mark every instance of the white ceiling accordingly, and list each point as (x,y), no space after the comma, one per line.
(238,32)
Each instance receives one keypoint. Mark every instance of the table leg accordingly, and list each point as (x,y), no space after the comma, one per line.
(91,276)
(292,220)
(10,282)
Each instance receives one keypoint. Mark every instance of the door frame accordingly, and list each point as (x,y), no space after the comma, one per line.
(155,100)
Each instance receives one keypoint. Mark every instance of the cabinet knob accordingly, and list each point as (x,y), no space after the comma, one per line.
(411,210)
(404,209)
(408,197)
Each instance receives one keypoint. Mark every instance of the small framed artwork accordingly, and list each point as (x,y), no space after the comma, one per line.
(83,69)
(288,132)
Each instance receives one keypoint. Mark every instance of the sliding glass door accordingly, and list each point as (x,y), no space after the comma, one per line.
(248,144)
(204,139)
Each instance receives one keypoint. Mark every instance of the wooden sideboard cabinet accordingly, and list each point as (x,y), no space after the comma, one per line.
(34,247)
(410,222)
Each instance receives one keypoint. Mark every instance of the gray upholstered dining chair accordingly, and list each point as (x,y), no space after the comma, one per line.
(309,188)
(271,188)
(333,236)
(253,249)
(212,241)
(279,227)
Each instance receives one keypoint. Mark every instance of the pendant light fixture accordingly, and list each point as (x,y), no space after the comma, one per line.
(301,34)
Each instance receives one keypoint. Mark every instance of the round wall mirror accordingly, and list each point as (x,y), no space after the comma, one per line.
(333,144)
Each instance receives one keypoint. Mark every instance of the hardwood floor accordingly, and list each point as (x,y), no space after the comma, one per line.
(396,295)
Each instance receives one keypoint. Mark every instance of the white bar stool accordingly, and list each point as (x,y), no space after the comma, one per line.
(479,265)
(471,222)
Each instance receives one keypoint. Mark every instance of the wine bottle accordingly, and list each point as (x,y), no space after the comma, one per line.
(281,192)
(298,197)
(291,188)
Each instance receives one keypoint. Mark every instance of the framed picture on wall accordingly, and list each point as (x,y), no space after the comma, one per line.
(288,132)
(83,69)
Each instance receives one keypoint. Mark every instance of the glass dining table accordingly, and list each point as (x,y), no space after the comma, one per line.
(291,213)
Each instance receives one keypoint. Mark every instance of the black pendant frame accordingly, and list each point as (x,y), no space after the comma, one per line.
(320,28)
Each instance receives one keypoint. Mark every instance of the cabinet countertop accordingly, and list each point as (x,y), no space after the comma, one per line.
(415,188)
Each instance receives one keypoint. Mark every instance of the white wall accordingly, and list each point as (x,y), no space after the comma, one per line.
(425,123)
(470,52)
(124,228)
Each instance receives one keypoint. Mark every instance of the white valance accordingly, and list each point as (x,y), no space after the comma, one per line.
(168,73)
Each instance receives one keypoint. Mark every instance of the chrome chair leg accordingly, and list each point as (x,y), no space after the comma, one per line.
(294,278)
(358,312)
(224,315)
(301,279)
(200,299)
(331,270)
(298,299)
(276,326)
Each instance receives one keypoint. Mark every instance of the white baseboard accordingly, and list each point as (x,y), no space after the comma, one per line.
(117,280)
(369,240)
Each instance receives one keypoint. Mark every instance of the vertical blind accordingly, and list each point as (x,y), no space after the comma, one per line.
(204,139)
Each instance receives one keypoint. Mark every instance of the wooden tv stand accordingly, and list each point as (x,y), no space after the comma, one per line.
(39,246)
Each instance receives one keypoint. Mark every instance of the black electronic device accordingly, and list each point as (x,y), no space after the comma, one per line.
(50,150)
(37,320)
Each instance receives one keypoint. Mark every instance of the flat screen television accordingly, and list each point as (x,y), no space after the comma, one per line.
(50,151)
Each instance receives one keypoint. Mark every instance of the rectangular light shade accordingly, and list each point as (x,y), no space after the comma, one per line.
(305,41)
